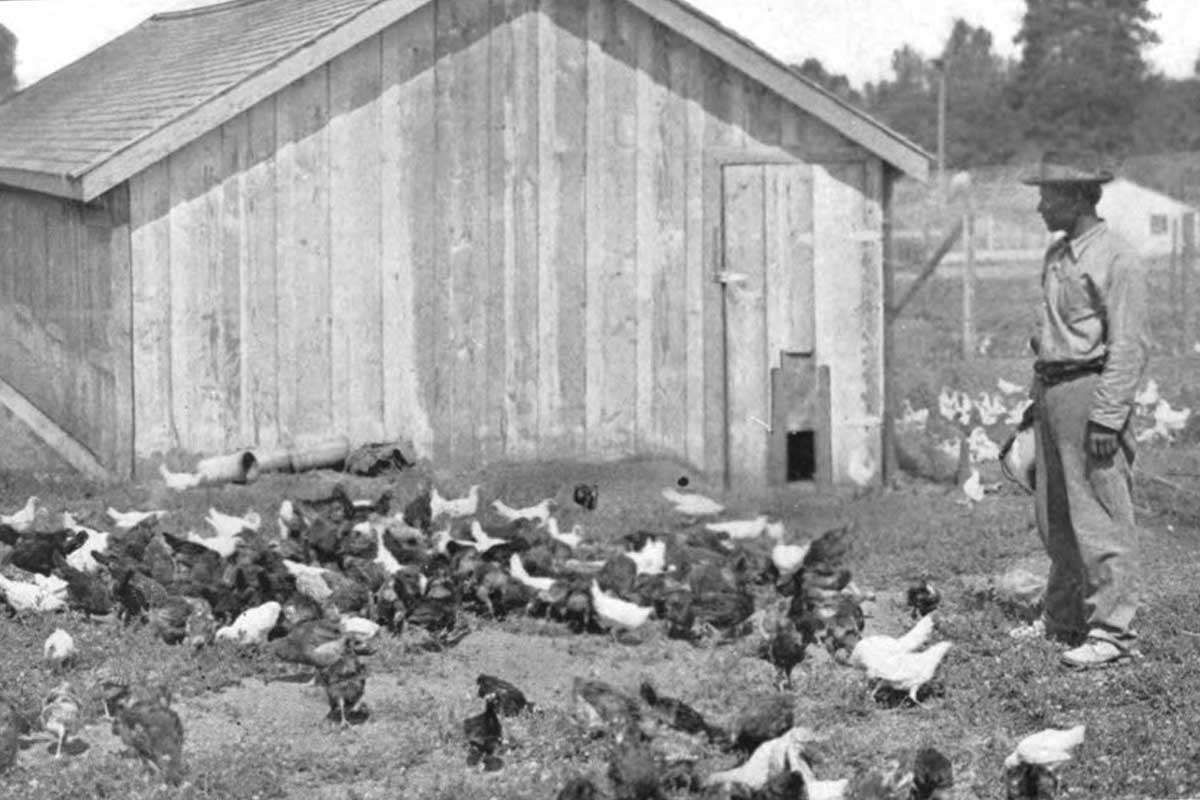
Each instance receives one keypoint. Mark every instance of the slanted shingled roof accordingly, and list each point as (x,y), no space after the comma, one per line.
(133,101)
(151,76)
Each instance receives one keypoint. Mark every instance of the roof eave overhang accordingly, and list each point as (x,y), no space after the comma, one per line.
(855,125)
(113,169)
(56,185)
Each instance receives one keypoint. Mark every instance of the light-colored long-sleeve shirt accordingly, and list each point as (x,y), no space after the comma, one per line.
(1094,304)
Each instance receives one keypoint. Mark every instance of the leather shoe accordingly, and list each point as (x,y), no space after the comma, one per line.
(1095,653)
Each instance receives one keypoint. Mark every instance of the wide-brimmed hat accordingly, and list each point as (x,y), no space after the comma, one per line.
(1052,169)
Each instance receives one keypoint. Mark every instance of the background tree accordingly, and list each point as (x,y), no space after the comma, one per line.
(908,102)
(836,83)
(980,126)
(8,62)
(1081,74)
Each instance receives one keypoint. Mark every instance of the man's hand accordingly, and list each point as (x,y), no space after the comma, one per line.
(1102,441)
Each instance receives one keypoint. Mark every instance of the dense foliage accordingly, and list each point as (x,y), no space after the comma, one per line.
(8,62)
(1081,86)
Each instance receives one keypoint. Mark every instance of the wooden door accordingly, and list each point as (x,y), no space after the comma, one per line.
(767,223)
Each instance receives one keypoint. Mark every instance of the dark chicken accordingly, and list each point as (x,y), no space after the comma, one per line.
(154,731)
(345,682)
(484,735)
(510,700)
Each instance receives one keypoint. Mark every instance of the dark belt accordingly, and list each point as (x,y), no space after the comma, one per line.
(1053,372)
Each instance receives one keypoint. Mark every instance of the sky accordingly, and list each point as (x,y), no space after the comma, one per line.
(853,37)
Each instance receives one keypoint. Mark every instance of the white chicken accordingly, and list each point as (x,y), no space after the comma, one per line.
(179,480)
(1148,396)
(964,406)
(572,539)
(383,556)
(82,557)
(310,580)
(539,584)
(46,593)
(1051,747)
(821,790)
(981,446)
(651,559)
(252,625)
(224,546)
(229,526)
(455,508)
(691,503)
(126,520)
(538,512)
(947,405)
(1170,419)
(862,468)
(906,672)
(740,528)
(360,629)
(784,753)
(911,417)
(482,540)
(615,613)
(1017,413)
(877,646)
(23,518)
(776,530)
(1031,770)
(788,558)
(1008,387)
(58,649)
(990,407)
(973,487)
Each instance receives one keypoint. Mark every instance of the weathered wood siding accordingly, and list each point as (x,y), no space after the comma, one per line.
(490,235)
(64,316)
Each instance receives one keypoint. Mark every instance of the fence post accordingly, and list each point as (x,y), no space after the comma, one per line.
(1187,262)
(968,285)
(1176,281)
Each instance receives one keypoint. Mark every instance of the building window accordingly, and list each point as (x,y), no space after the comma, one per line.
(1158,224)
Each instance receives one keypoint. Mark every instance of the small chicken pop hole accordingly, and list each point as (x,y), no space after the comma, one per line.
(801,456)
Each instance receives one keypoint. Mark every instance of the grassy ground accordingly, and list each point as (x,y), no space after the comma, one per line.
(250,735)
(253,737)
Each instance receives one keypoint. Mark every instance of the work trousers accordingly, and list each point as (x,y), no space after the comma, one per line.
(1085,518)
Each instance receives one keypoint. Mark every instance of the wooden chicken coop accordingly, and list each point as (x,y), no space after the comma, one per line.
(495,228)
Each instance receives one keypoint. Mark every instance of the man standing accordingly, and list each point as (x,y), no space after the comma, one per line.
(1090,356)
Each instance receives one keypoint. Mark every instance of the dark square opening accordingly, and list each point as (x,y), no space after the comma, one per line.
(801,456)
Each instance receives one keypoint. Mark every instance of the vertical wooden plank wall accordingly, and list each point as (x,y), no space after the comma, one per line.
(461,238)
(150,246)
(514,306)
(356,357)
(64,314)
(562,219)
(407,182)
(487,229)
(302,256)
(840,219)
(195,285)
(260,322)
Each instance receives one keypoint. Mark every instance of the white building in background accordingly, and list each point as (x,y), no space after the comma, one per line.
(1149,220)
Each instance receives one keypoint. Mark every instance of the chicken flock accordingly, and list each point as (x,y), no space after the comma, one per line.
(318,584)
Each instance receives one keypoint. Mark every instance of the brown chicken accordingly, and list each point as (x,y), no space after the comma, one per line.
(345,682)
(152,729)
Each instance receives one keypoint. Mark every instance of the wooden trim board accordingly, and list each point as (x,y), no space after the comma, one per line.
(55,437)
